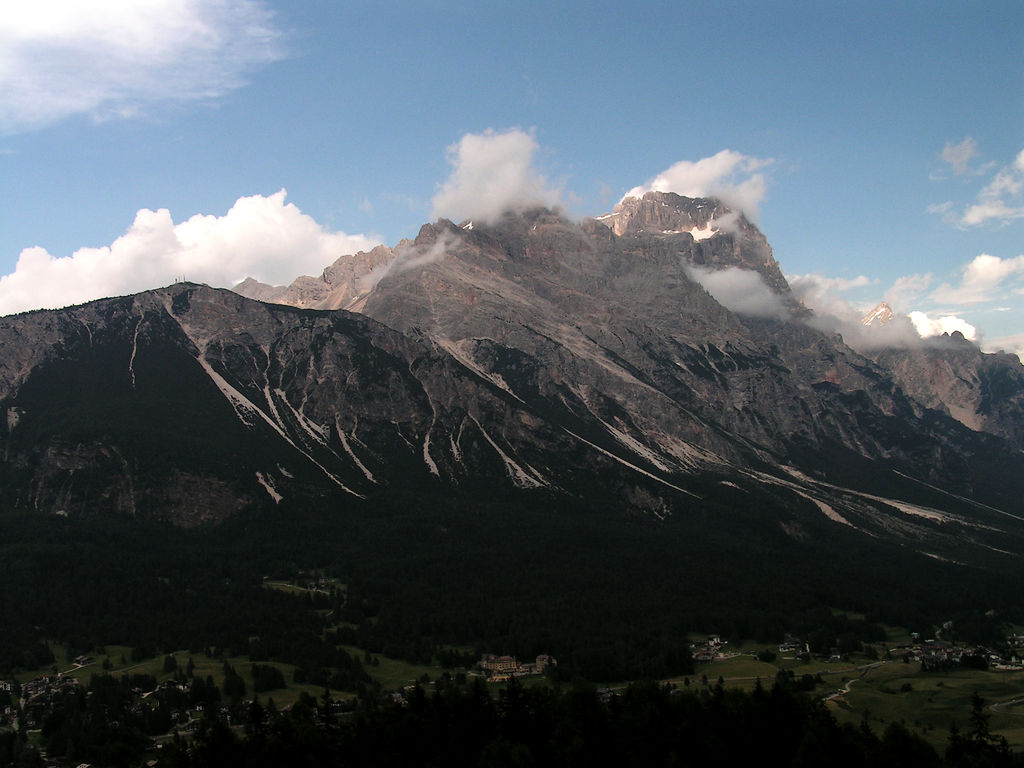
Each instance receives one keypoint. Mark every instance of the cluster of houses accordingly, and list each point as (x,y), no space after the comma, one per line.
(709,650)
(935,654)
(503,668)
(36,697)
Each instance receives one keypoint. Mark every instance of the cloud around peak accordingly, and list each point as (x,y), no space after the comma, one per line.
(261,237)
(834,313)
(112,58)
(736,179)
(739,290)
(493,172)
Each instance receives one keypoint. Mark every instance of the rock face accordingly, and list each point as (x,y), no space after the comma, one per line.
(535,357)
(342,285)
(882,314)
(723,238)
(984,392)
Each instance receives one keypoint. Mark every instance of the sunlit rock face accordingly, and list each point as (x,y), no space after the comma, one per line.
(535,357)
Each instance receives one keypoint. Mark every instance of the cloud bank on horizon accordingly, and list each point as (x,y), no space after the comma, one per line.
(116,58)
(261,237)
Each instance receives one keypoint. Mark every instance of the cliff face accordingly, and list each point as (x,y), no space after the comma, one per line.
(534,357)
(983,391)
(342,285)
(722,237)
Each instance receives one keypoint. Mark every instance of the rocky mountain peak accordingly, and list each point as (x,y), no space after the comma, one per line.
(342,285)
(708,233)
(666,213)
(880,315)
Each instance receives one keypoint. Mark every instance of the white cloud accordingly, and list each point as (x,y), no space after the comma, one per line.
(492,173)
(821,294)
(835,314)
(732,177)
(261,237)
(906,289)
(990,210)
(928,326)
(1013,344)
(1000,200)
(410,256)
(742,291)
(982,280)
(820,283)
(960,155)
(115,58)
(946,210)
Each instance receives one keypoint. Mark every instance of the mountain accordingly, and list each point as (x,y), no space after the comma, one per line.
(948,373)
(880,315)
(983,391)
(340,286)
(533,357)
(536,436)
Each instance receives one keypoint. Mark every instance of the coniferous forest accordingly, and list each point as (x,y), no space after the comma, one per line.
(645,724)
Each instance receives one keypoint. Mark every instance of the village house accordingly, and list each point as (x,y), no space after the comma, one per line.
(502,668)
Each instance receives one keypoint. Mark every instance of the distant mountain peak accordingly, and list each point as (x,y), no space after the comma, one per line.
(879,316)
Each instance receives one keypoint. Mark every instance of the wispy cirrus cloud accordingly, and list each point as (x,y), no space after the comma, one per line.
(117,58)
(960,155)
(906,289)
(999,202)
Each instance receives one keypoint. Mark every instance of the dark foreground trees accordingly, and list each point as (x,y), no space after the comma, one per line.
(646,724)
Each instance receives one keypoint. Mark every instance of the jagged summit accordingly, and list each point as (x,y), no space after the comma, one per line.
(666,213)
(879,316)
(342,285)
(722,237)
(701,232)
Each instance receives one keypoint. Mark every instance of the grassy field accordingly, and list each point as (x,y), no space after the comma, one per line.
(928,702)
(392,674)
(203,667)
(925,702)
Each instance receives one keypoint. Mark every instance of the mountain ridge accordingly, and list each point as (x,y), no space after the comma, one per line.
(532,355)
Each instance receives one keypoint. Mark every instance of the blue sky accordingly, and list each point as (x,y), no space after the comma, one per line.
(878,145)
